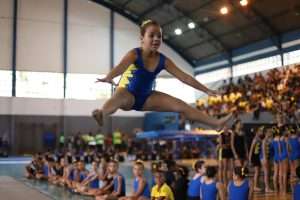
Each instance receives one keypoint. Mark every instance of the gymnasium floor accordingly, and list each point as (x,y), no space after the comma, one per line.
(13,186)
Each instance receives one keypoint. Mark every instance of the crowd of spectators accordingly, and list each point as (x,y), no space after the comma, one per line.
(277,90)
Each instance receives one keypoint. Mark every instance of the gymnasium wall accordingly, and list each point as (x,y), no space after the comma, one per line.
(39,54)
(39,104)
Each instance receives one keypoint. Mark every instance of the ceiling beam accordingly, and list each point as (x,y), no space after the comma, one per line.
(240,28)
(214,37)
(211,34)
(136,21)
(126,3)
(151,9)
(189,14)
(275,33)
(263,21)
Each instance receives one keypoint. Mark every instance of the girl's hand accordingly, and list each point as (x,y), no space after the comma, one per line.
(106,80)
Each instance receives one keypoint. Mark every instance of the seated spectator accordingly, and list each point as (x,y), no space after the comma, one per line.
(161,191)
(119,188)
(141,190)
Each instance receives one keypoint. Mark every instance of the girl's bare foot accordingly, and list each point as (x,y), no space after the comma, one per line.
(98,116)
(268,190)
(257,189)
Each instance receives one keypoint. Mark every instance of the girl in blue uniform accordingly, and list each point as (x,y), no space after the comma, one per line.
(210,188)
(283,164)
(80,173)
(141,190)
(277,152)
(43,173)
(296,186)
(294,150)
(119,188)
(240,188)
(91,180)
(139,68)
(195,184)
(265,158)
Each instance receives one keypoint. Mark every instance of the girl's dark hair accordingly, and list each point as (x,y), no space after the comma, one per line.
(145,24)
(211,171)
(198,165)
(291,129)
(242,172)
(276,131)
(161,173)
(236,123)
(184,171)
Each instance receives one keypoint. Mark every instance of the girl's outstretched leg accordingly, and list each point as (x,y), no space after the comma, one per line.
(120,99)
(162,102)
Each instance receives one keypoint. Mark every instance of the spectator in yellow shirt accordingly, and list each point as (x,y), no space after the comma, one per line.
(161,191)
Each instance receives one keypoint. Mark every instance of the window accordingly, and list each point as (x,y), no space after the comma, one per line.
(175,88)
(291,57)
(5,83)
(39,84)
(257,66)
(214,76)
(83,86)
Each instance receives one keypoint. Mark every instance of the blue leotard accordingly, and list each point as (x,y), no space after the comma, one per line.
(276,148)
(94,184)
(284,151)
(296,192)
(146,191)
(194,187)
(116,184)
(139,81)
(46,170)
(295,148)
(239,192)
(209,191)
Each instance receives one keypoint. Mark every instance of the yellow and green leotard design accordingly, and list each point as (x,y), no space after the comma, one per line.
(139,81)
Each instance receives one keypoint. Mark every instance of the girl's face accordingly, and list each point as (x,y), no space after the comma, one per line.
(159,179)
(62,162)
(259,132)
(202,170)
(81,166)
(137,170)
(152,38)
(94,166)
(112,167)
(164,167)
(269,133)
